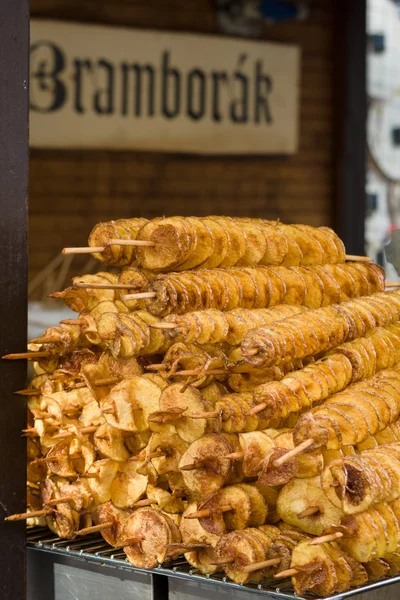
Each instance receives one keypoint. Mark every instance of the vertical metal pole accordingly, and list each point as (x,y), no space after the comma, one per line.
(351,121)
(14,106)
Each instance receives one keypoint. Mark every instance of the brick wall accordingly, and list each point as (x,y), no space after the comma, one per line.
(72,190)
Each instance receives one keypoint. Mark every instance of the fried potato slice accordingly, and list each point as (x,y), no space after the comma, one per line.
(165,501)
(301,494)
(239,500)
(174,242)
(212,468)
(203,560)
(109,443)
(363,538)
(172,445)
(64,522)
(193,531)
(255,446)
(134,400)
(190,401)
(100,486)
(317,571)
(244,549)
(156,530)
(259,506)
(128,485)
(377,569)
(271,474)
(107,512)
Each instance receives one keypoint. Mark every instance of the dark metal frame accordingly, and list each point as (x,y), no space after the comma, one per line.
(351,121)
(14,105)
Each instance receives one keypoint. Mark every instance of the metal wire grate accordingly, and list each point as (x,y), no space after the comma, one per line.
(94,549)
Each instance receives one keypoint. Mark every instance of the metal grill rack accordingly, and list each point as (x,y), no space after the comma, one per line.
(94,550)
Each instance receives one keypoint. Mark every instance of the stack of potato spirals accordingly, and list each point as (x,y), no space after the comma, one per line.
(230,394)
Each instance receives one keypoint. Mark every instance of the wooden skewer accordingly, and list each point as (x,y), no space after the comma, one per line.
(76,386)
(67,434)
(45,459)
(256,409)
(140,456)
(107,381)
(42,414)
(103,286)
(203,415)
(163,325)
(201,373)
(163,416)
(180,548)
(104,436)
(140,295)
(28,355)
(308,512)
(354,257)
(330,537)
(30,392)
(55,501)
(95,528)
(192,466)
(71,410)
(115,242)
(46,339)
(392,284)
(99,249)
(223,561)
(235,456)
(206,512)
(250,352)
(71,321)
(156,367)
(31,431)
(130,542)
(300,448)
(287,573)
(83,250)
(188,383)
(29,515)
(32,485)
(261,565)
(145,502)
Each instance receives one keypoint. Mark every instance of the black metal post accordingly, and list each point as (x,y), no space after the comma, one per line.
(14,105)
(351,121)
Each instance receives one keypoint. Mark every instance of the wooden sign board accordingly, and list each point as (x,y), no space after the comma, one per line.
(107,87)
